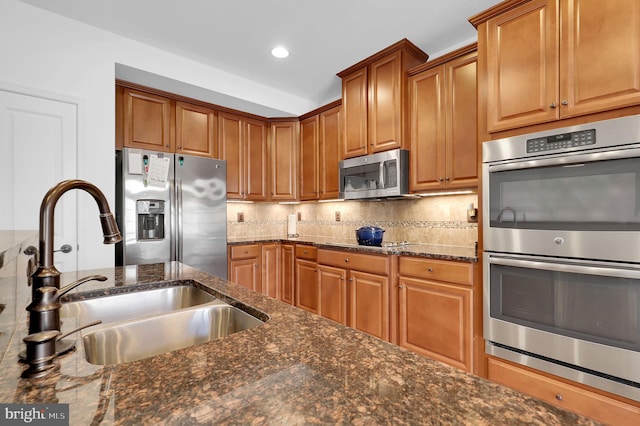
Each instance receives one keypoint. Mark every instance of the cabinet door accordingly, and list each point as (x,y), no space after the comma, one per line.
(309,158)
(283,154)
(306,285)
(427,118)
(230,134)
(369,303)
(354,110)
(196,130)
(255,135)
(330,149)
(385,103)
(332,283)
(522,66)
(271,272)
(461,123)
(246,272)
(600,56)
(288,274)
(436,321)
(147,121)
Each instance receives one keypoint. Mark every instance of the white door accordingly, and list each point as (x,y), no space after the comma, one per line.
(38,139)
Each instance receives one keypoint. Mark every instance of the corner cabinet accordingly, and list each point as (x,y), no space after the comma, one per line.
(553,59)
(436,309)
(243,144)
(283,160)
(442,116)
(374,100)
(353,290)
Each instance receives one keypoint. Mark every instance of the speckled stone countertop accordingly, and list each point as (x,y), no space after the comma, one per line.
(434,251)
(296,368)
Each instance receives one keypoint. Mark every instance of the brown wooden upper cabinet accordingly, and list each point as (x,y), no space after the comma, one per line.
(442,116)
(552,59)
(243,143)
(374,100)
(320,152)
(283,160)
(158,123)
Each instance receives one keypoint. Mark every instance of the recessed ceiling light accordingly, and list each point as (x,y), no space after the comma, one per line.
(280,52)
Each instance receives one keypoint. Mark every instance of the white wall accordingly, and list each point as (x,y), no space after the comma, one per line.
(41,52)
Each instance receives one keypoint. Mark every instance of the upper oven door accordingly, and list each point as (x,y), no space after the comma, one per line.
(579,205)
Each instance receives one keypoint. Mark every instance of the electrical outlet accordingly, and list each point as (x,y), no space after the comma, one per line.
(337,216)
(240,217)
(299,216)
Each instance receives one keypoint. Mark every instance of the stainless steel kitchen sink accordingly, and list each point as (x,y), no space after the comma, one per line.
(126,306)
(146,337)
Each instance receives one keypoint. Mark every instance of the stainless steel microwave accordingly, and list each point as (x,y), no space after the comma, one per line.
(384,174)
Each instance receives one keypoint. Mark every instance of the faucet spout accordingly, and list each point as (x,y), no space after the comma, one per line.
(47,275)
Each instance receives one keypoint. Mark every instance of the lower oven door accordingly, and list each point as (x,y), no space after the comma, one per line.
(579,320)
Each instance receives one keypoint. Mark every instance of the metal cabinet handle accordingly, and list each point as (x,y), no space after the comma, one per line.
(552,105)
(565,102)
(440,179)
(559,396)
(346,260)
(430,269)
(400,286)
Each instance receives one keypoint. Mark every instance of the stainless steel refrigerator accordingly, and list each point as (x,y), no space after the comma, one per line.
(171,207)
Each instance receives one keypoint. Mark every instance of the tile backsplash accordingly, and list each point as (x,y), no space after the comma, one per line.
(428,220)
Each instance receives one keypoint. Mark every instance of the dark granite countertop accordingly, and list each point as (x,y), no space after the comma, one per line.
(433,251)
(297,368)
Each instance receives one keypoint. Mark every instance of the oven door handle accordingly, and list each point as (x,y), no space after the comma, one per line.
(575,268)
(566,160)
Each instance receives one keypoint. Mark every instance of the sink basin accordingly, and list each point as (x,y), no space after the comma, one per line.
(126,306)
(146,337)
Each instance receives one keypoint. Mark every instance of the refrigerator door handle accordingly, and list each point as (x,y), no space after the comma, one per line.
(179,240)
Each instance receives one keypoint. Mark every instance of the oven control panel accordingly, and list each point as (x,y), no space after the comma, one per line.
(562,141)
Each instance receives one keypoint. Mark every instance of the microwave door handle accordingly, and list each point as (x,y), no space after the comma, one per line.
(586,268)
(381,180)
(566,160)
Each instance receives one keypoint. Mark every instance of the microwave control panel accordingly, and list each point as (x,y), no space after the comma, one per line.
(562,141)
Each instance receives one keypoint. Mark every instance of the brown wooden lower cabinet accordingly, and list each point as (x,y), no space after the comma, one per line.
(564,395)
(271,270)
(306,278)
(288,276)
(436,309)
(244,263)
(352,297)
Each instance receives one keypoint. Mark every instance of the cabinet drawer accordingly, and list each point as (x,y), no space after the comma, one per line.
(307,252)
(373,264)
(244,251)
(441,270)
(564,395)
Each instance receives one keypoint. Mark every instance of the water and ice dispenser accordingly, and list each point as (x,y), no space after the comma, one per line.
(150,219)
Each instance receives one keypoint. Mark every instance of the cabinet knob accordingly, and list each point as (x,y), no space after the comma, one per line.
(167,145)
(559,396)
(400,286)
(346,261)
(447,178)
(565,102)
(440,179)
(246,251)
(430,269)
(552,105)
(256,265)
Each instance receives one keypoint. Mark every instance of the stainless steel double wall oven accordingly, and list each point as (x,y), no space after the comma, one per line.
(561,256)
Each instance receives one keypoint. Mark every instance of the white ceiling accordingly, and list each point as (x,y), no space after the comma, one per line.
(323,36)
